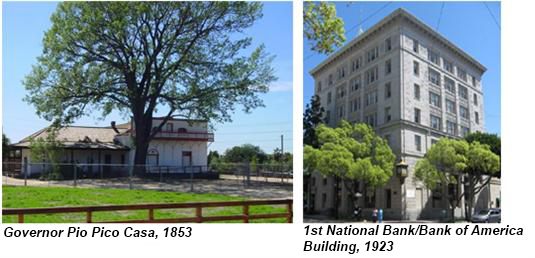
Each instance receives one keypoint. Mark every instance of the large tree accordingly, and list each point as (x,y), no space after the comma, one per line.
(136,57)
(312,117)
(352,153)
(245,153)
(455,163)
(322,27)
(5,146)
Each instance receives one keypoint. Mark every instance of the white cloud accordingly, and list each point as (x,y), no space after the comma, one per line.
(281,86)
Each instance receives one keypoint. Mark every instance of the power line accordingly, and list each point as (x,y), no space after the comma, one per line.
(261,132)
(492,15)
(440,16)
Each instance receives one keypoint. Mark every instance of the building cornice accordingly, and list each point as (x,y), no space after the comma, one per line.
(399,13)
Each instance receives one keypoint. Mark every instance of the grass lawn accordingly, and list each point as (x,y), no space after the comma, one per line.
(38,197)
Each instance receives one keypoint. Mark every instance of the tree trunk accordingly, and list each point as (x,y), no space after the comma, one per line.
(143,128)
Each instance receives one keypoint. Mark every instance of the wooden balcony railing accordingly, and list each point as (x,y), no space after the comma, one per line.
(185,136)
(245,216)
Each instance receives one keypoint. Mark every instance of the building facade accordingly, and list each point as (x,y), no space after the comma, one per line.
(413,86)
(181,146)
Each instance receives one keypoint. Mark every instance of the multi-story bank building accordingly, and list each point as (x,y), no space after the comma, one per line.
(413,86)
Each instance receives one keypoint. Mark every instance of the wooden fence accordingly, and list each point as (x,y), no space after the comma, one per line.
(198,206)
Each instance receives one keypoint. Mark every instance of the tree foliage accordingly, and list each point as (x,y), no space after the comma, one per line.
(456,163)
(322,27)
(492,140)
(48,149)
(311,119)
(5,146)
(351,152)
(136,57)
(245,153)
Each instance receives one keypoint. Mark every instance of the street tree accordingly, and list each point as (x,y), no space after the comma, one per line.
(245,153)
(453,163)
(5,146)
(351,153)
(322,27)
(139,57)
(311,119)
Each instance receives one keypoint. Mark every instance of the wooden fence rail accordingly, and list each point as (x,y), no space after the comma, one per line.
(199,218)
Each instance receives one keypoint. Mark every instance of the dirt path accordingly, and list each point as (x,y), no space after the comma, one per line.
(226,185)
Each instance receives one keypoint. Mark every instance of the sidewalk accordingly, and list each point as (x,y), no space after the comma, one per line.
(325,219)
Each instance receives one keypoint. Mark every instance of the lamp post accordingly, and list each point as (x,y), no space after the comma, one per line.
(402,173)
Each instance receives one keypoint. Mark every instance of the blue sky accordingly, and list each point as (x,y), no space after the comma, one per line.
(24,24)
(469,25)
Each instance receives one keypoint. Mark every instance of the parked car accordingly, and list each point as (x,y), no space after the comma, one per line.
(492,215)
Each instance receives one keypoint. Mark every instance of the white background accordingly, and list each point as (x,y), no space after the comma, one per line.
(268,240)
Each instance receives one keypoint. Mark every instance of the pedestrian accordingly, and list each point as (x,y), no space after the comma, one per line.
(374,215)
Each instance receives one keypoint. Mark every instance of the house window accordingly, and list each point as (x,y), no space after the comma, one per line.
(373,54)
(330,79)
(371,98)
(318,88)
(356,63)
(477,117)
(371,119)
(329,98)
(434,99)
(356,104)
(463,92)
(341,72)
(465,131)
(451,128)
(434,77)
(416,68)
(388,117)
(327,116)
(417,91)
(474,81)
(463,111)
(461,73)
(341,111)
(186,159)
(388,195)
(418,142)
(355,83)
(433,57)
(372,75)
(388,44)
(340,92)
(475,99)
(323,200)
(448,66)
(169,127)
(450,106)
(388,90)
(415,46)
(388,67)
(449,84)
(435,122)
(417,114)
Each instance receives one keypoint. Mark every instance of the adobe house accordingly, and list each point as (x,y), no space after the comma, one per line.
(180,147)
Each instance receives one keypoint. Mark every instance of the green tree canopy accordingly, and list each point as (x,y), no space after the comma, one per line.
(47,149)
(136,57)
(244,153)
(492,140)
(5,146)
(457,162)
(322,27)
(351,152)
(311,119)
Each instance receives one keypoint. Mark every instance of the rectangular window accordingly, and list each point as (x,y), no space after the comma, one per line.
(416,68)
(388,194)
(474,83)
(371,119)
(475,99)
(319,87)
(461,73)
(451,128)
(329,98)
(340,92)
(356,64)
(417,91)
(448,66)
(433,57)
(415,46)
(449,84)
(434,99)
(417,114)
(434,77)
(418,142)
(356,104)
(372,75)
(388,90)
(433,142)
(388,44)
(463,92)
(328,116)
(465,131)
(435,122)
(330,79)
(341,111)
(477,117)
(388,117)
(463,111)
(355,83)
(450,106)
(371,98)
(373,54)
(388,67)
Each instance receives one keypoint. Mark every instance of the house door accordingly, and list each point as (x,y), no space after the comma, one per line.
(186,158)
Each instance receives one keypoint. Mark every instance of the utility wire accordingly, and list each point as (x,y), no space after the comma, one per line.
(493,17)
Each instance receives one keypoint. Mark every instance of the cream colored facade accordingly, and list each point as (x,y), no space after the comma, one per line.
(413,86)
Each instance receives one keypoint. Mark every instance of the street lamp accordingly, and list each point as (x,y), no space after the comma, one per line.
(401,171)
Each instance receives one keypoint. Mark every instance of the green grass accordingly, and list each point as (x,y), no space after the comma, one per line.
(38,197)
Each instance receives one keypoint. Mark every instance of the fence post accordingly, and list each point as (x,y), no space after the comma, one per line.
(25,172)
(247,173)
(246,213)
(130,177)
(290,212)
(198,214)
(74,171)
